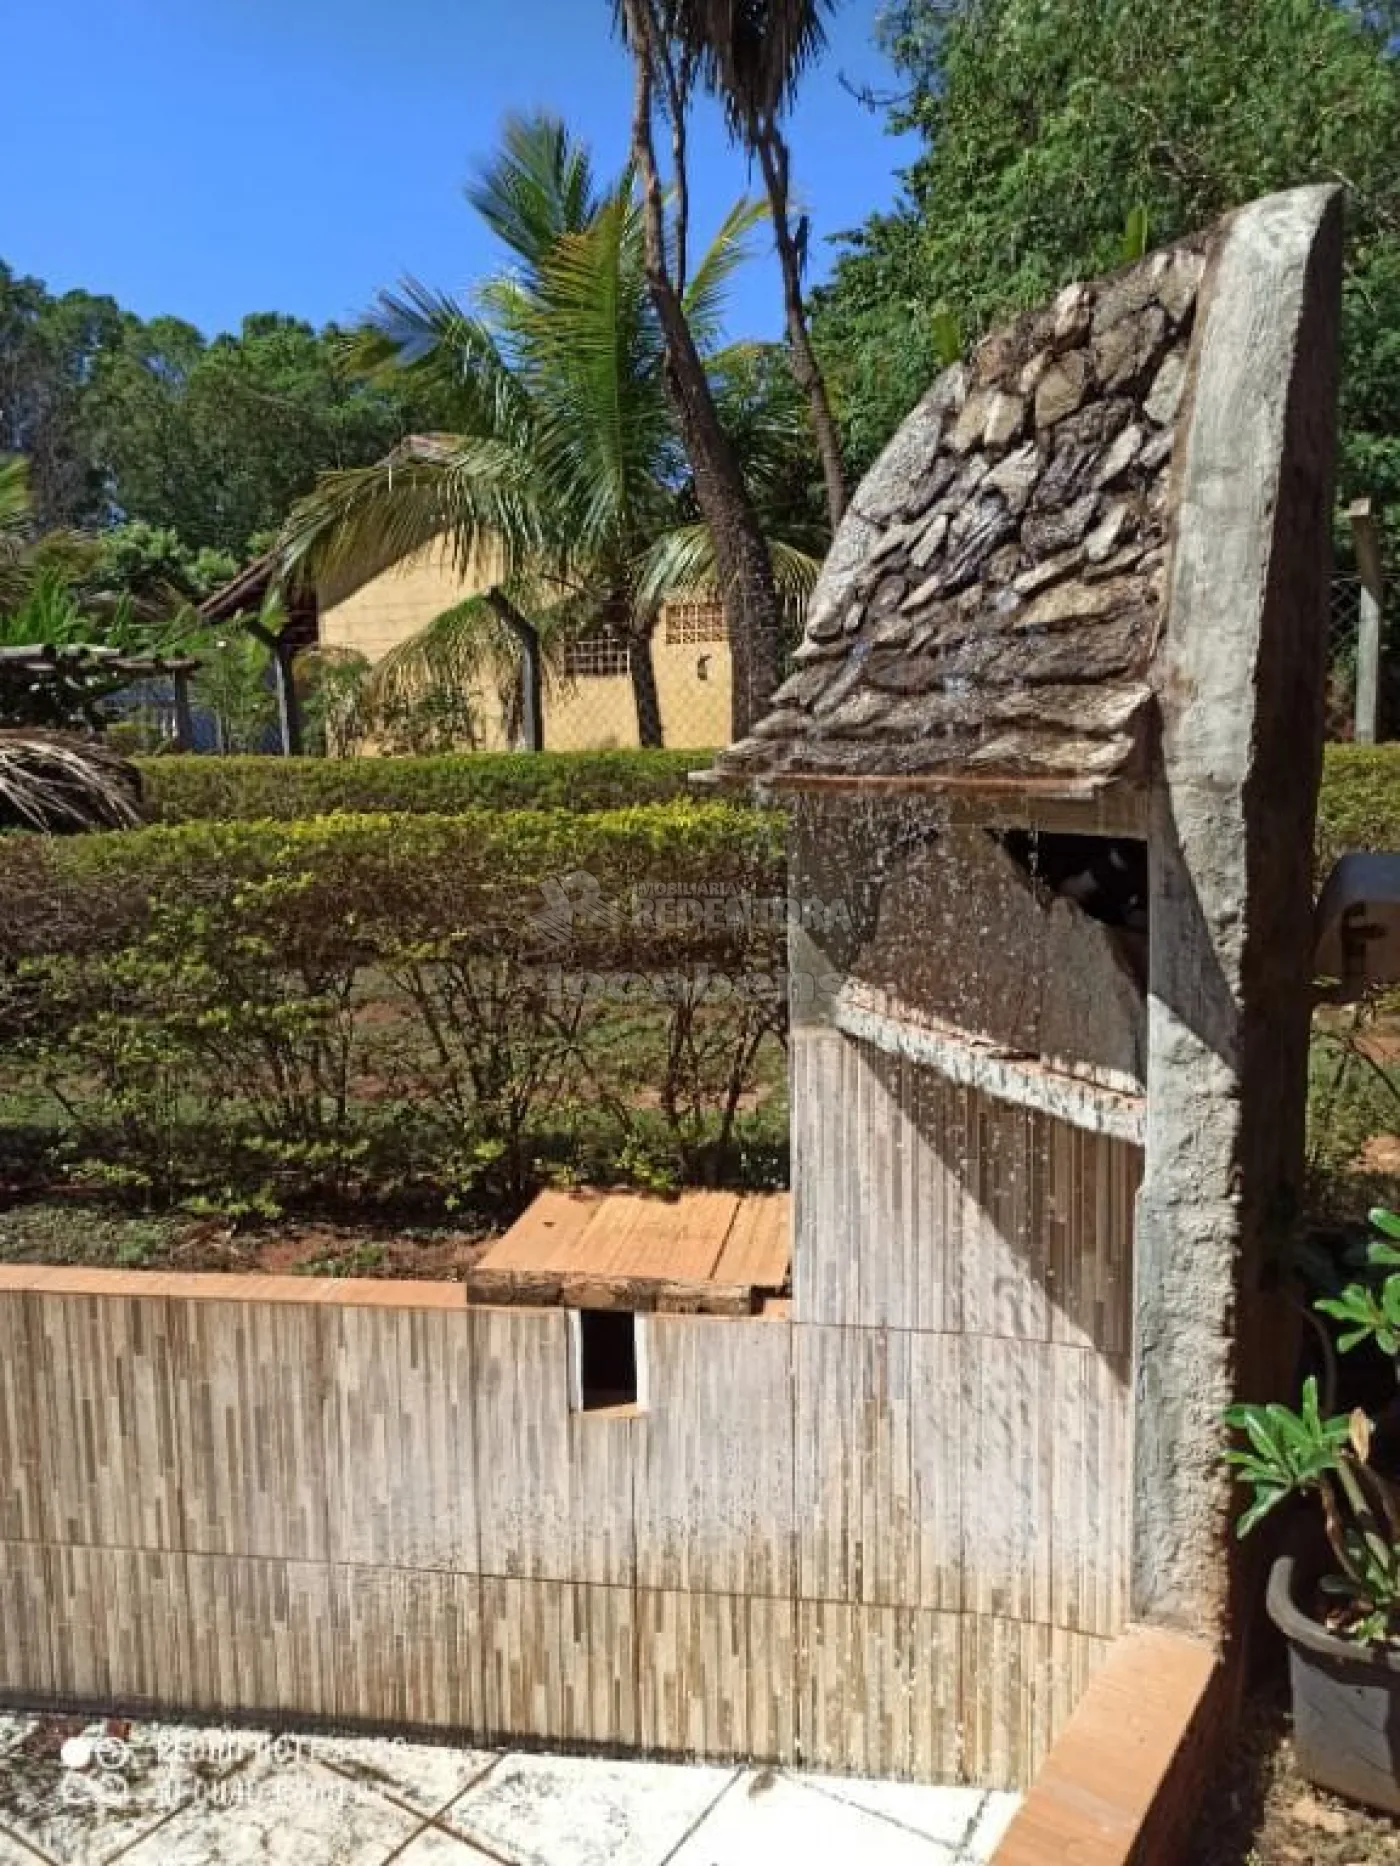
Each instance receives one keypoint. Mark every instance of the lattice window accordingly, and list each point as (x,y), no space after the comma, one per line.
(596,657)
(692,622)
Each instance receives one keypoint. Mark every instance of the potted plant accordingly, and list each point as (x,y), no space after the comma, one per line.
(1336,1596)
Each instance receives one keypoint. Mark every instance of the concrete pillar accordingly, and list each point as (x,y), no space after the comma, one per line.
(1231,855)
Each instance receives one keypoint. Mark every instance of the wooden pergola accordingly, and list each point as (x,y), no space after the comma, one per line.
(77,664)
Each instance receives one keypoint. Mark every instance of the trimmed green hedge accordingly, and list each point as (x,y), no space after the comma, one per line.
(442,1007)
(183,790)
(1360,803)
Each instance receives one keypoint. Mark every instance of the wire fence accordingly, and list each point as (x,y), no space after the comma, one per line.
(1343,636)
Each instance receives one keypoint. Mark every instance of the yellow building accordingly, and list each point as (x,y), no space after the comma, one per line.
(590,707)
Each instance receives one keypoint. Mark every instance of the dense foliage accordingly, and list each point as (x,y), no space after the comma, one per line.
(181,790)
(427,1007)
(1360,803)
(211,438)
(1048,125)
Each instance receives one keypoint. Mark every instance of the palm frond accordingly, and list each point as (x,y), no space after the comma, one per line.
(474,495)
(16,517)
(682,563)
(53,784)
(730,249)
(538,186)
(752,54)
(590,351)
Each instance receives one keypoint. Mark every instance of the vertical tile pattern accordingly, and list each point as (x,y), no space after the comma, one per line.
(714,1490)
(560,1662)
(400,1453)
(409,1648)
(559,1482)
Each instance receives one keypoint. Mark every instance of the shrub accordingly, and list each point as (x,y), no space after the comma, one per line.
(182,790)
(1360,803)
(249,1012)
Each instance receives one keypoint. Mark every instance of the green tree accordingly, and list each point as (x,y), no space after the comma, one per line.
(1046,123)
(564,467)
(49,349)
(217,440)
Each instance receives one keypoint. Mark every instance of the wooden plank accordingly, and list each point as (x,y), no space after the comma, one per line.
(681,1242)
(758,1249)
(549,1226)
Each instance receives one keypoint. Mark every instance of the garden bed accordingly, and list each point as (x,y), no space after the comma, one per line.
(1261,1812)
(103,1236)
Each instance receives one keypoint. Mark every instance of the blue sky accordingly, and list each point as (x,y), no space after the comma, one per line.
(211,157)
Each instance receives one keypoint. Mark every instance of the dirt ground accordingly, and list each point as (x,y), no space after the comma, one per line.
(1261,1812)
(76,1230)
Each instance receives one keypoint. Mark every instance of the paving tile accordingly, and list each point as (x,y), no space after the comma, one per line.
(947,1815)
(583,1811)
(83,1815)
(423,1777)
(991,1828)
(435,1847)
(14,1728)
(767,1820)
(14,1853)
(279,1814)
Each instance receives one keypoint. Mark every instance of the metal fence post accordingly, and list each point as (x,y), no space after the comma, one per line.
(1365,532)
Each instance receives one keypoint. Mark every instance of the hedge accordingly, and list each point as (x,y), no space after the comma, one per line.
(183,789)
(246,1014)
(447,1006)
(1360,803)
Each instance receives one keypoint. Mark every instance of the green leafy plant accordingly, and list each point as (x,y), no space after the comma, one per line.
(1289,1453)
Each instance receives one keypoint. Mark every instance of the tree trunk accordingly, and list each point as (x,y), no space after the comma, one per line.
(752,608)
(806,370)
(644,693)
(527,638)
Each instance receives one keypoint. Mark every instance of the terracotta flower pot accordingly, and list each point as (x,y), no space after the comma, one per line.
(1346,1698)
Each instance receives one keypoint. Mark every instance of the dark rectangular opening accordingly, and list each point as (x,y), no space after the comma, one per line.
(607,1352)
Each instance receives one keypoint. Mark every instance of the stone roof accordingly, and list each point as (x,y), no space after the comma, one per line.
(991,606)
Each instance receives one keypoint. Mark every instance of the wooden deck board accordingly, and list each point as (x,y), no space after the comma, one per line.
(706,1252)
(552,1224)
(758,1249)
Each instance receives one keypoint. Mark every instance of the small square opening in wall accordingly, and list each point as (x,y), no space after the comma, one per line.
(607,1360)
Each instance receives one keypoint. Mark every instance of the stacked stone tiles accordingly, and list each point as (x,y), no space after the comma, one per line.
(991,606)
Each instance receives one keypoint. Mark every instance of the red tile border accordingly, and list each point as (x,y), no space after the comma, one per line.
(1120,1785)
(220,1286)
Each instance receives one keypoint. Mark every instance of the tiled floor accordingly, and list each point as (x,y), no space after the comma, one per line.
(75,1794)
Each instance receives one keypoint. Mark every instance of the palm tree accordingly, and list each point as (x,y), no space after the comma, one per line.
(15,519)
(662,86)
(565,471)
(751,55)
